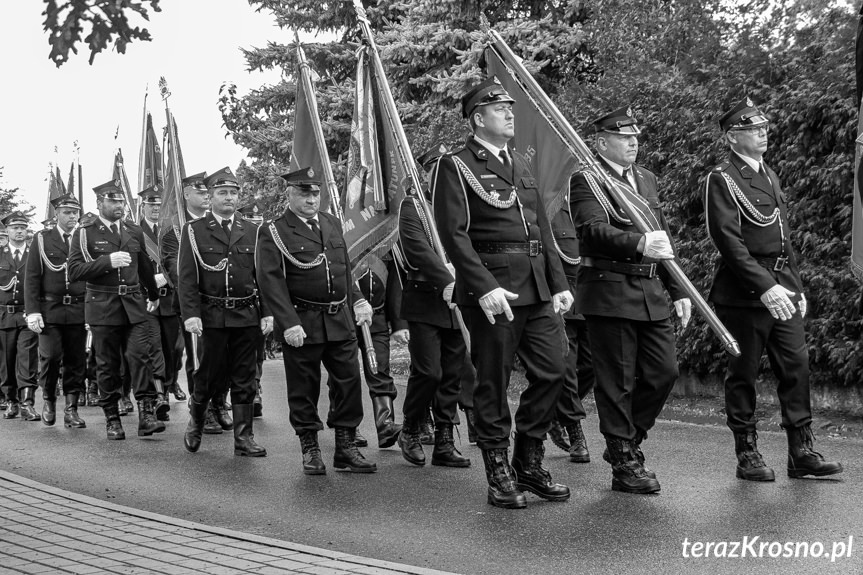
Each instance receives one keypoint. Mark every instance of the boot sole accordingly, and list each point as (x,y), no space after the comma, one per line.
(189,448)
(72,426)
(314,471)
(49,423)
(117,438)
(242,453)
(525,487)
(438,463)
(213,432)
(580,459)
(417,462)
(346,467)
(764,479)
(388,442)
(798,473)
(637,491)
(145,433)
(513,505)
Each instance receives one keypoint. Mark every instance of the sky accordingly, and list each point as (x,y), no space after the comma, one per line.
(196,46)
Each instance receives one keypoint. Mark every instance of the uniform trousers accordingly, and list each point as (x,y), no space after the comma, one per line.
(534,334)
(19,360)
(112,343)
(468,382)
(169,341)
(62,344)
(580,377)
(635,367)
(303,375)
(228,358)
(380,384)
(437,363)
(190,361)
(755,329)
(154,347)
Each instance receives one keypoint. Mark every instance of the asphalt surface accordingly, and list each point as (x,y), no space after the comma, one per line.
(438,518)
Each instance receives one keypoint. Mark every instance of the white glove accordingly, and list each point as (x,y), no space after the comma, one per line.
(363,312)
(161,281)
(120,259)
(778,302)
(267,324)
(447,295)
(804,307)
(683,308)
(194,325)
(401,336)
(561,302)
(496,302)
(658,246)
(295,336)
(152,305)
(35,323)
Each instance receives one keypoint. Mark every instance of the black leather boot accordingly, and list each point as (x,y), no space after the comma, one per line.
(49,410)
(750,464)
(13,408)
(220,412)
(427,430)
(70,413)
(211,426)
(636,450)
(577,444)
(244,439)
(147,422)
(388,429)
(178,392)
(530,475)
(113,426)
(628,474)
(161,407)
(347,456)
(195,428)
(92,399)
(359,440)
(127,404)
(313,463)
(445,454)
(802,457)
(409,443)
(28,399)
(470,418)
(502,489)
(258,402)
(559,435)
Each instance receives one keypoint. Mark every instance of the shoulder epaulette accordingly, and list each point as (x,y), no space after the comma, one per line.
(721,167)
(88,220)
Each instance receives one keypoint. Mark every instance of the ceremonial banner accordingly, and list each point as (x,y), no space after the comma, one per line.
(376,178)
(172,198)
(309,149)
(150,172)
(56,188)
(551,161)
(857,218)
(119,174)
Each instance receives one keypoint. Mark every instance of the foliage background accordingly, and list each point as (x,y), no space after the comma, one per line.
(679,63)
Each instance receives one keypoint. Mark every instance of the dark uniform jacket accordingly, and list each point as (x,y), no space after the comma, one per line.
(285,286)
(464,218)
(748,251)
(567,248)
(90,260)
(169,247)
(384,295)
(236,279)
(12,279)
(426,275)
(608,293)
(166,293)
(46,289)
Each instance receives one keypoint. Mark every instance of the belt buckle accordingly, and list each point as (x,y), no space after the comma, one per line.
(67,299)
(163,291)
(10,309)
(652,273)
(333,307)
(230,303)
(780,263)
(534,248)
(123,289)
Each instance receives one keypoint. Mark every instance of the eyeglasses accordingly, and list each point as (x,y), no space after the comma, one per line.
(754,129)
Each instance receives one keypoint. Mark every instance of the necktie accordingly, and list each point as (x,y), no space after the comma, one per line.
(114,229)
(763,171)
(226,225)
(66,239)
(314,225)
(504,159)
(17,258)
(156,230)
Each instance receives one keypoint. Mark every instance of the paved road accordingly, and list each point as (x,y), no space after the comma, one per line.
(438,518)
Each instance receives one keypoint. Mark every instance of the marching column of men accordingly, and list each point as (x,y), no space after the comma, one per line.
(581,298)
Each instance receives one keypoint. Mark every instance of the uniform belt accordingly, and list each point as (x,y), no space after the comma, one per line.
(119,290)
(380,308)
(643,270)
(532,248)
(775,264)
(64,299)
(163,291)
(331,308)
(230,302)
(13,308)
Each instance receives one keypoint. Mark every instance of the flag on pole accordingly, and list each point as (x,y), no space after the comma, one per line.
(56,188)
(308,148)
(551,161)
(857,218)
(119,174)
(151,158)
(377,179)
(170,215)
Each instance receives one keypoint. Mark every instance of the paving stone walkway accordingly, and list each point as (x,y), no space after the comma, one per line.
(48,530)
